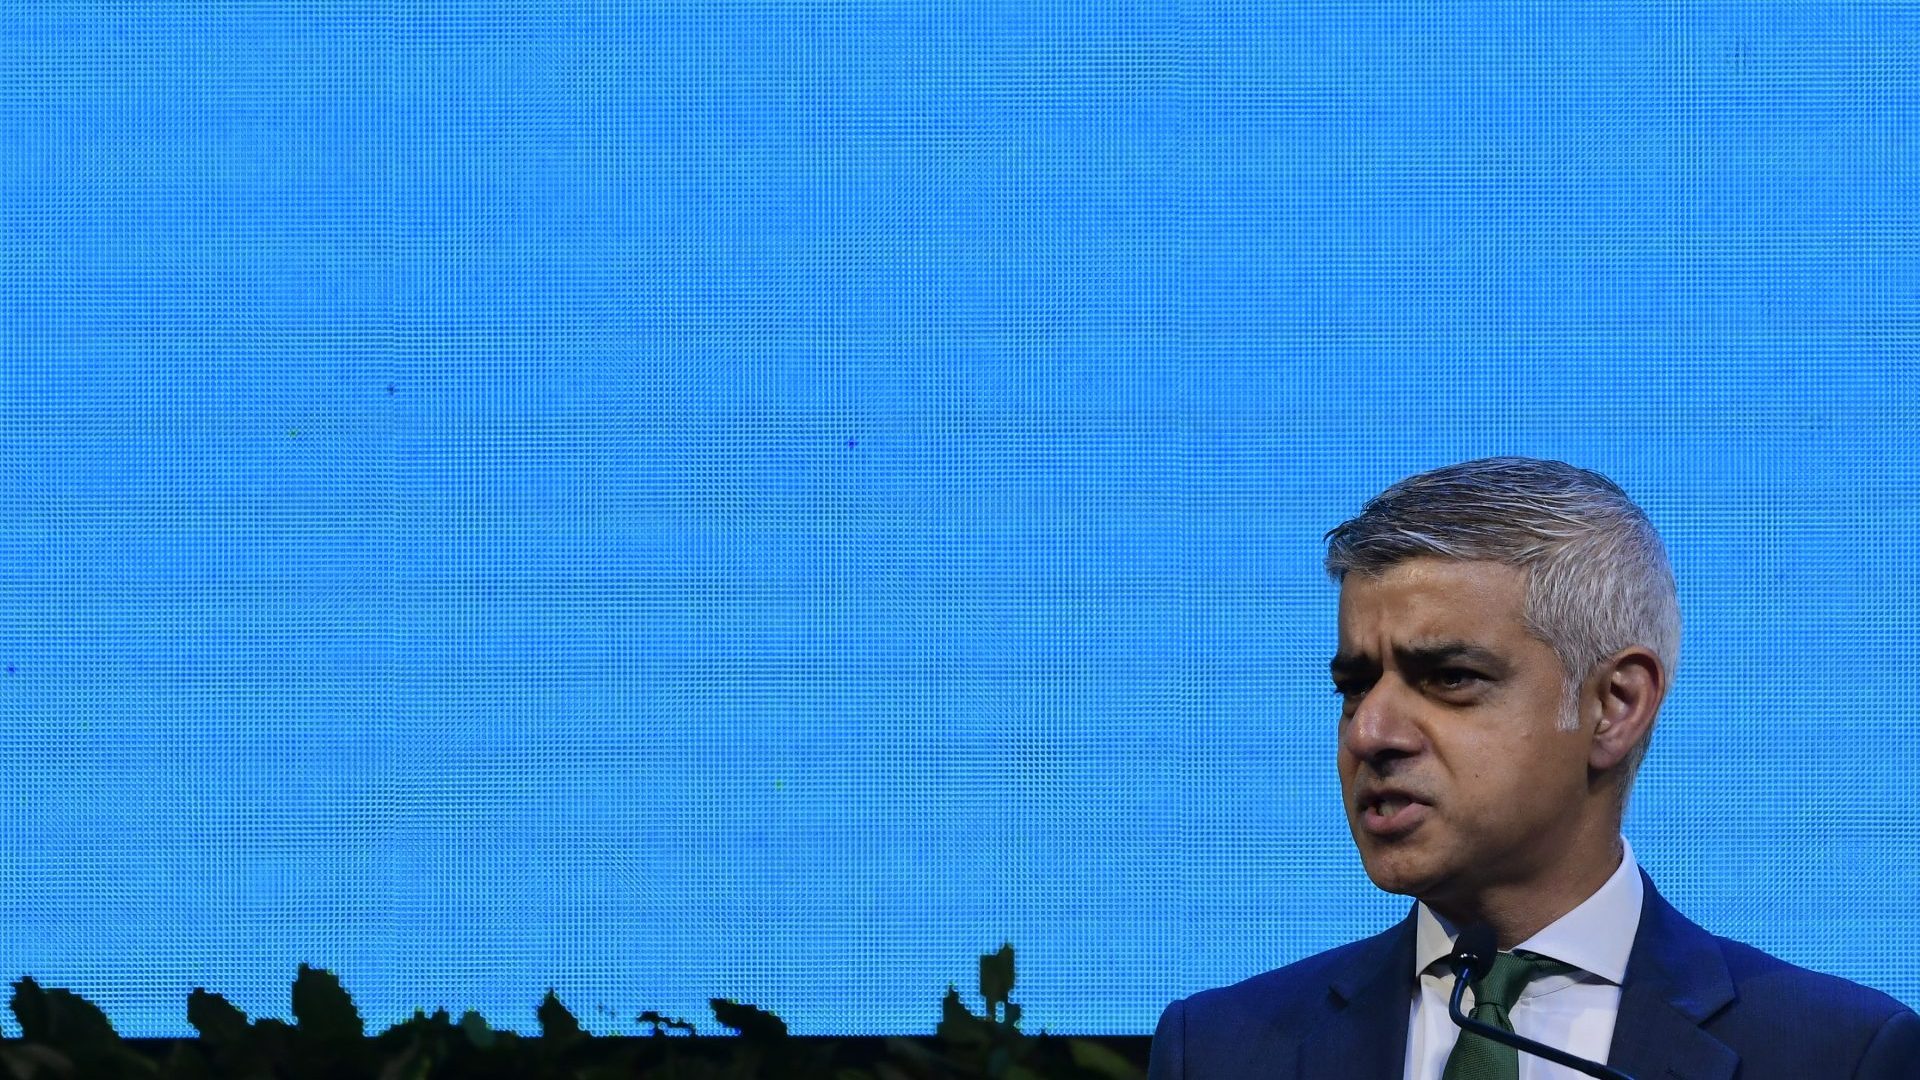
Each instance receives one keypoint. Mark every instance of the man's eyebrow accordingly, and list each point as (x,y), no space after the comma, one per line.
(1435,653)
(1425,654)
(1344,664)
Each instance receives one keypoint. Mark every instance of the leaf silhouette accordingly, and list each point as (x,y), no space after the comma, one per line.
(957,1024)
(754,1024)
(476,1029)
(321,1008)
(557,1025)
(58,1017)
(996,979)
(219,1023)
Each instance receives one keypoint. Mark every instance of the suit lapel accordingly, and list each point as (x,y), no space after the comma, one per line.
(1676,979)
(1364,1036)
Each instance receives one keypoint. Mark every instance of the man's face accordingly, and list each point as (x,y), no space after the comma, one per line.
(1449,701)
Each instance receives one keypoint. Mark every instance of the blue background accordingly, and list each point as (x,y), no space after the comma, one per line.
(772,500)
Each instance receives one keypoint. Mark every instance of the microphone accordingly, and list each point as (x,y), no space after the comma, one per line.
(1472,957)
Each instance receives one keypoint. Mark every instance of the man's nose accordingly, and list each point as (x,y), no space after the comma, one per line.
(1382,724)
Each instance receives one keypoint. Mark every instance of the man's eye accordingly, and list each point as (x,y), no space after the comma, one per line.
(1455,679)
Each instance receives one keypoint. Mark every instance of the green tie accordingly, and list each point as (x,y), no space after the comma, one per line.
(1476,1057)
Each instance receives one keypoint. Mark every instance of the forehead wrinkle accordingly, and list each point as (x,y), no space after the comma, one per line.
(1434,652)
(1427,600)
(1425,612)
(1422,651)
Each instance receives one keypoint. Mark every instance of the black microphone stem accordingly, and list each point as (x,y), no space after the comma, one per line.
(1508,1038)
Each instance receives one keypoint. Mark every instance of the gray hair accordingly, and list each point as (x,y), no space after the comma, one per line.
(1598,579)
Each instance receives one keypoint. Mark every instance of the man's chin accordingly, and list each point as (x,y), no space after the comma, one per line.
(1394,873)
(1397,886)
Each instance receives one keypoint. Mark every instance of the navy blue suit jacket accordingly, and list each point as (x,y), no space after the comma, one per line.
(1692,1007)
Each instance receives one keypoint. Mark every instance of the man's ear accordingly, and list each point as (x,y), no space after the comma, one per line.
(1619,702)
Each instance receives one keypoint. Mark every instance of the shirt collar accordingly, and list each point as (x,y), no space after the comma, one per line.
(1596,936)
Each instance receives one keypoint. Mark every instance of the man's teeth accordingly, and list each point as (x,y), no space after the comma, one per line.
(1389,806)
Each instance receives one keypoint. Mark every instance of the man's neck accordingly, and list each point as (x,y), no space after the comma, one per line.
(1518,912)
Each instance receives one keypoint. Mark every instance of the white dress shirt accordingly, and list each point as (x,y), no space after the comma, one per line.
(1574,1012)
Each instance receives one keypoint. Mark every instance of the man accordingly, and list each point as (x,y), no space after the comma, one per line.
(1508,629)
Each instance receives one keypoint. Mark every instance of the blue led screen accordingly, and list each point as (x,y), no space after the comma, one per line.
(772,500)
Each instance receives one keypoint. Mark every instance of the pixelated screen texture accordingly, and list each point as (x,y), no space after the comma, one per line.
(774,500)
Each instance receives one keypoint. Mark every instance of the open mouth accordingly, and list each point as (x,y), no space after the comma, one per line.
(1391,815)
(1387,806)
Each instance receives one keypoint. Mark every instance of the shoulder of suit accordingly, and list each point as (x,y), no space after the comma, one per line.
(1761,974)
(1299,984)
